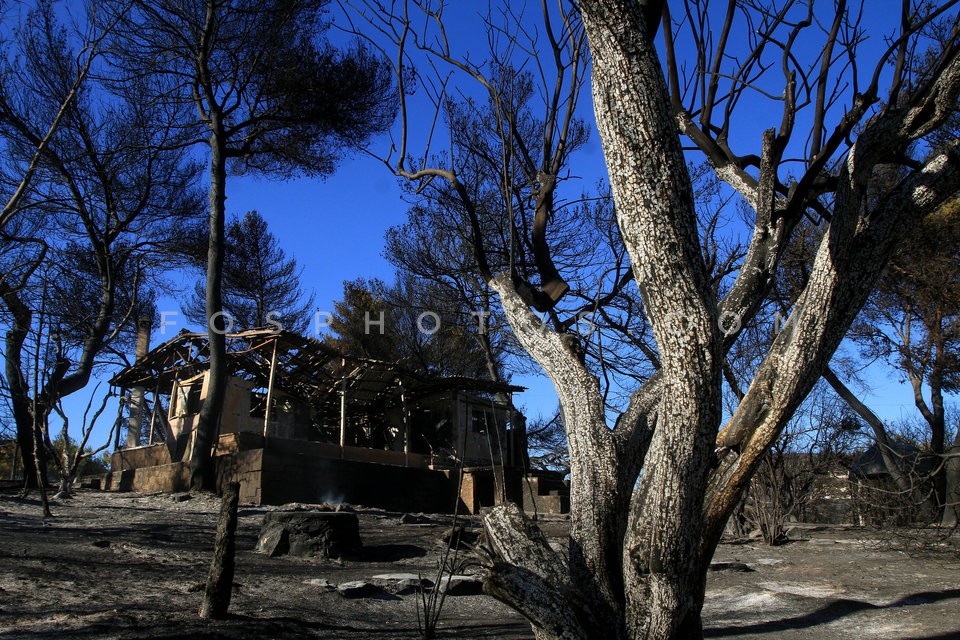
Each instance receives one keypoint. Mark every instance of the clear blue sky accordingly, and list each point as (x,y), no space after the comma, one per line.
(335,227)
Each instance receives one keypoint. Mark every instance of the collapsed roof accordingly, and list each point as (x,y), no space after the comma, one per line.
(305,368)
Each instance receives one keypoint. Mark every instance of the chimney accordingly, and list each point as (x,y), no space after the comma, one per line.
(135,424)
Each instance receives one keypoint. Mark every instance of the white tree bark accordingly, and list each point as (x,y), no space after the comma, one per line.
(639,573)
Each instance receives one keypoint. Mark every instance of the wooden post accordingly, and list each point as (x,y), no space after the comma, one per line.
(273,373)
(216,598)
(343,405)
(153,414)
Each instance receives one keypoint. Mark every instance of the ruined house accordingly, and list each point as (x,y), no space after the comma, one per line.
(303,422)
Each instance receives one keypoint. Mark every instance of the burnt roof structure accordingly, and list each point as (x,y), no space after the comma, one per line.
(302,367)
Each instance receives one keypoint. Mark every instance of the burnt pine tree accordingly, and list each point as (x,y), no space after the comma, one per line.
(651,491)
(261,285)
(270,97)
(913,321)
(108,186)
(14,188)
(414,323)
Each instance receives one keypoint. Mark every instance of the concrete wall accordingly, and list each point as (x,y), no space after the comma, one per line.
(245,467)
(300,471)
(301,478)
(283,446)
(545,492)
(480,446)
(150,456)
(166,478)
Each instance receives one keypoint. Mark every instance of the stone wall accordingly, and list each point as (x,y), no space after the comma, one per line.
(245,467)
(285,446)
(300,471)
(545,492)
(136,457)
(165,478)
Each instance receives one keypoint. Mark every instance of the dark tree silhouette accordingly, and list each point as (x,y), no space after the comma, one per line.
(108,187)
(270,97)
(411,323)
(261,285)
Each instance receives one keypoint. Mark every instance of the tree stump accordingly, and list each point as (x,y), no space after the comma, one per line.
(216,598)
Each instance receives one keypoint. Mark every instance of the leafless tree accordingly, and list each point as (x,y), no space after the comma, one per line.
(39,138)
(806,470)
(913,323)
(70,456)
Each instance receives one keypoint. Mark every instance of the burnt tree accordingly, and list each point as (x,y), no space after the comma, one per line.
(269,97)
(640,545)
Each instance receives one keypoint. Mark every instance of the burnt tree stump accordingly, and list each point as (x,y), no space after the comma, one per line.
(216,598)
(323,534)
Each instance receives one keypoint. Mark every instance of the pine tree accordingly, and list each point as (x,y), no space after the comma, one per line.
(261,284)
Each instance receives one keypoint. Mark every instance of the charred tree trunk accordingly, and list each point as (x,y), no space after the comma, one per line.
(40,465)
(208,424)
(216,600)
(15,338)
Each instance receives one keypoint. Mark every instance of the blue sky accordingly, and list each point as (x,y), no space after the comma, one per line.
(335,229)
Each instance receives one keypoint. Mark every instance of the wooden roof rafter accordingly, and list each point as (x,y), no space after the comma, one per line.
(306,368)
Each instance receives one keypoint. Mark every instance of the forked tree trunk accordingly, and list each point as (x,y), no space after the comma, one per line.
(19,393)
(654,204)
(644,577)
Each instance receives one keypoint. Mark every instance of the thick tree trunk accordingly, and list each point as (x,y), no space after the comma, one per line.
(646,579)
(587,595)
(40,466)
(208,424)
(938,433)
(19,391)
(65,490)
(654,204)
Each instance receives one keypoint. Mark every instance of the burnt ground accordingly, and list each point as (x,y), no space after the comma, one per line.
(131,566)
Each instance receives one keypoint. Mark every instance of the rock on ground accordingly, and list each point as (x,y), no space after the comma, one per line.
(322,534)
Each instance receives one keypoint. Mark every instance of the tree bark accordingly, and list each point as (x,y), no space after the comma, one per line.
(847,266)
(640,544)
(653,196)
(16,335)
(597,500)
(216,600)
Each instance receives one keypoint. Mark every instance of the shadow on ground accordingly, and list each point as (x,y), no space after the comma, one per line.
(834,610)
